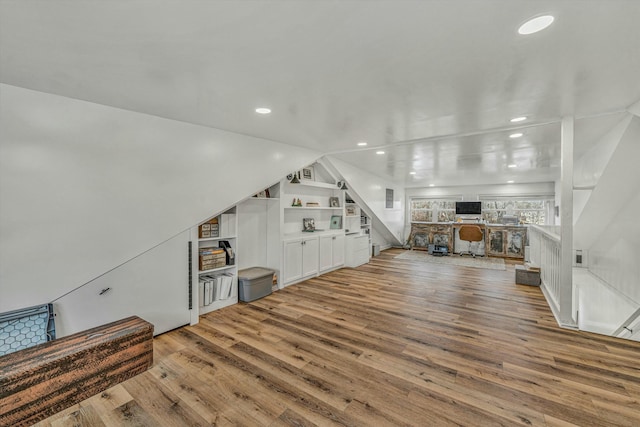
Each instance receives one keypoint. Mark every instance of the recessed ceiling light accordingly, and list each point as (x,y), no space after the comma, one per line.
(412,173)
(263,110)
(379,152)
(518,119)
(510,182)
(432,185)
(515,135)
(362,144)
(512,166)
(536,24)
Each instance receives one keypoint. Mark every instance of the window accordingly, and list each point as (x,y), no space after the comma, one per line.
(526,211)
(534,210)
(431,210)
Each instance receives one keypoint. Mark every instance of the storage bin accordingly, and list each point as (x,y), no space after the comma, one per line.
(525,276)
(254,283)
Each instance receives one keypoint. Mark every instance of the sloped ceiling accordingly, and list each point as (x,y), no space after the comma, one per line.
(432,83)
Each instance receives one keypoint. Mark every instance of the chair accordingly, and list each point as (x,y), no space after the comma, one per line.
(471,234)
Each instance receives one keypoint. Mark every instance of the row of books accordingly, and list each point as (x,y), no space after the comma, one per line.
(215,288)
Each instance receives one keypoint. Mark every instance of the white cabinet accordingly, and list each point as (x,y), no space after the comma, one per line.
(300,258)
(331,251)
(338,250)
(357,250)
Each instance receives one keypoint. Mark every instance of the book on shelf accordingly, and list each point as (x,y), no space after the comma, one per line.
(226,285)
(206,294)
(201,285)
(213,282)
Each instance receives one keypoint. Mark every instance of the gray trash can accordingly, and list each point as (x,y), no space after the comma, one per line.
(375,249)
(254,283)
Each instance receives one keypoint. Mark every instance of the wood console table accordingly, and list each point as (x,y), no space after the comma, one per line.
(506,241)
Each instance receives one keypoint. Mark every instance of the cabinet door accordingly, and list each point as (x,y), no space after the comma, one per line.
(292,261)
(496,242)
(337,252)
(515,242)
(326,252)
(310,260)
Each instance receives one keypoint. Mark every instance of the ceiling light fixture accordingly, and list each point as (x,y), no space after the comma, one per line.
(510,182)
(536,24)
(512,166)
(518,119)
(432,185)
(379,152)
(362,144)
(263,110)
(412,173)
(515,135)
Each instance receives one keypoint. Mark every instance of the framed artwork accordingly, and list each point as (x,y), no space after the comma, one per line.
(350,211)
(334,202)
(336,222)
(307,173)
(308,224)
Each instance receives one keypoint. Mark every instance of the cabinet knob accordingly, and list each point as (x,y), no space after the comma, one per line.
(334,237)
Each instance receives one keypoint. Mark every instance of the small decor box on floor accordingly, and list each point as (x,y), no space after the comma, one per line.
(525,276)
(254,283)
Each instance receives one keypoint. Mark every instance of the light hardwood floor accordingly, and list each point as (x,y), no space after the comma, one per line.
(394,342)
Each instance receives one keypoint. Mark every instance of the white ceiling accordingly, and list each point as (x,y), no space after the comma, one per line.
(433,82)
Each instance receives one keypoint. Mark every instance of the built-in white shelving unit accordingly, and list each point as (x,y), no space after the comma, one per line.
(269,230)
(309,253)
(214,235)
(358,234)
(259,237)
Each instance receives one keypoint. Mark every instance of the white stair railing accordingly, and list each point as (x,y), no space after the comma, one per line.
(544,252)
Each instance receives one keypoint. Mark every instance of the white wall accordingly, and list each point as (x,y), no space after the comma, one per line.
(371,190)
(608,227)
(86,187)
(590,166)
(615,254)
(617,184)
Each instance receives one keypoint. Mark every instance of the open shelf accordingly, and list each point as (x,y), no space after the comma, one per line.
(226,267)
(317,184)
(213,239)
(313,208)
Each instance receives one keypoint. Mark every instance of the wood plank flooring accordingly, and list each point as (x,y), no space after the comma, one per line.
(391,343)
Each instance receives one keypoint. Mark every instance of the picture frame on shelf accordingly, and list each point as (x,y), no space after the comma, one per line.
(336,222)
(350,211)
(307,173)
(334,202)
(308,224)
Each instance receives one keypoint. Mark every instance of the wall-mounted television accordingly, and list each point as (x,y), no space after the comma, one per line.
(468,208)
